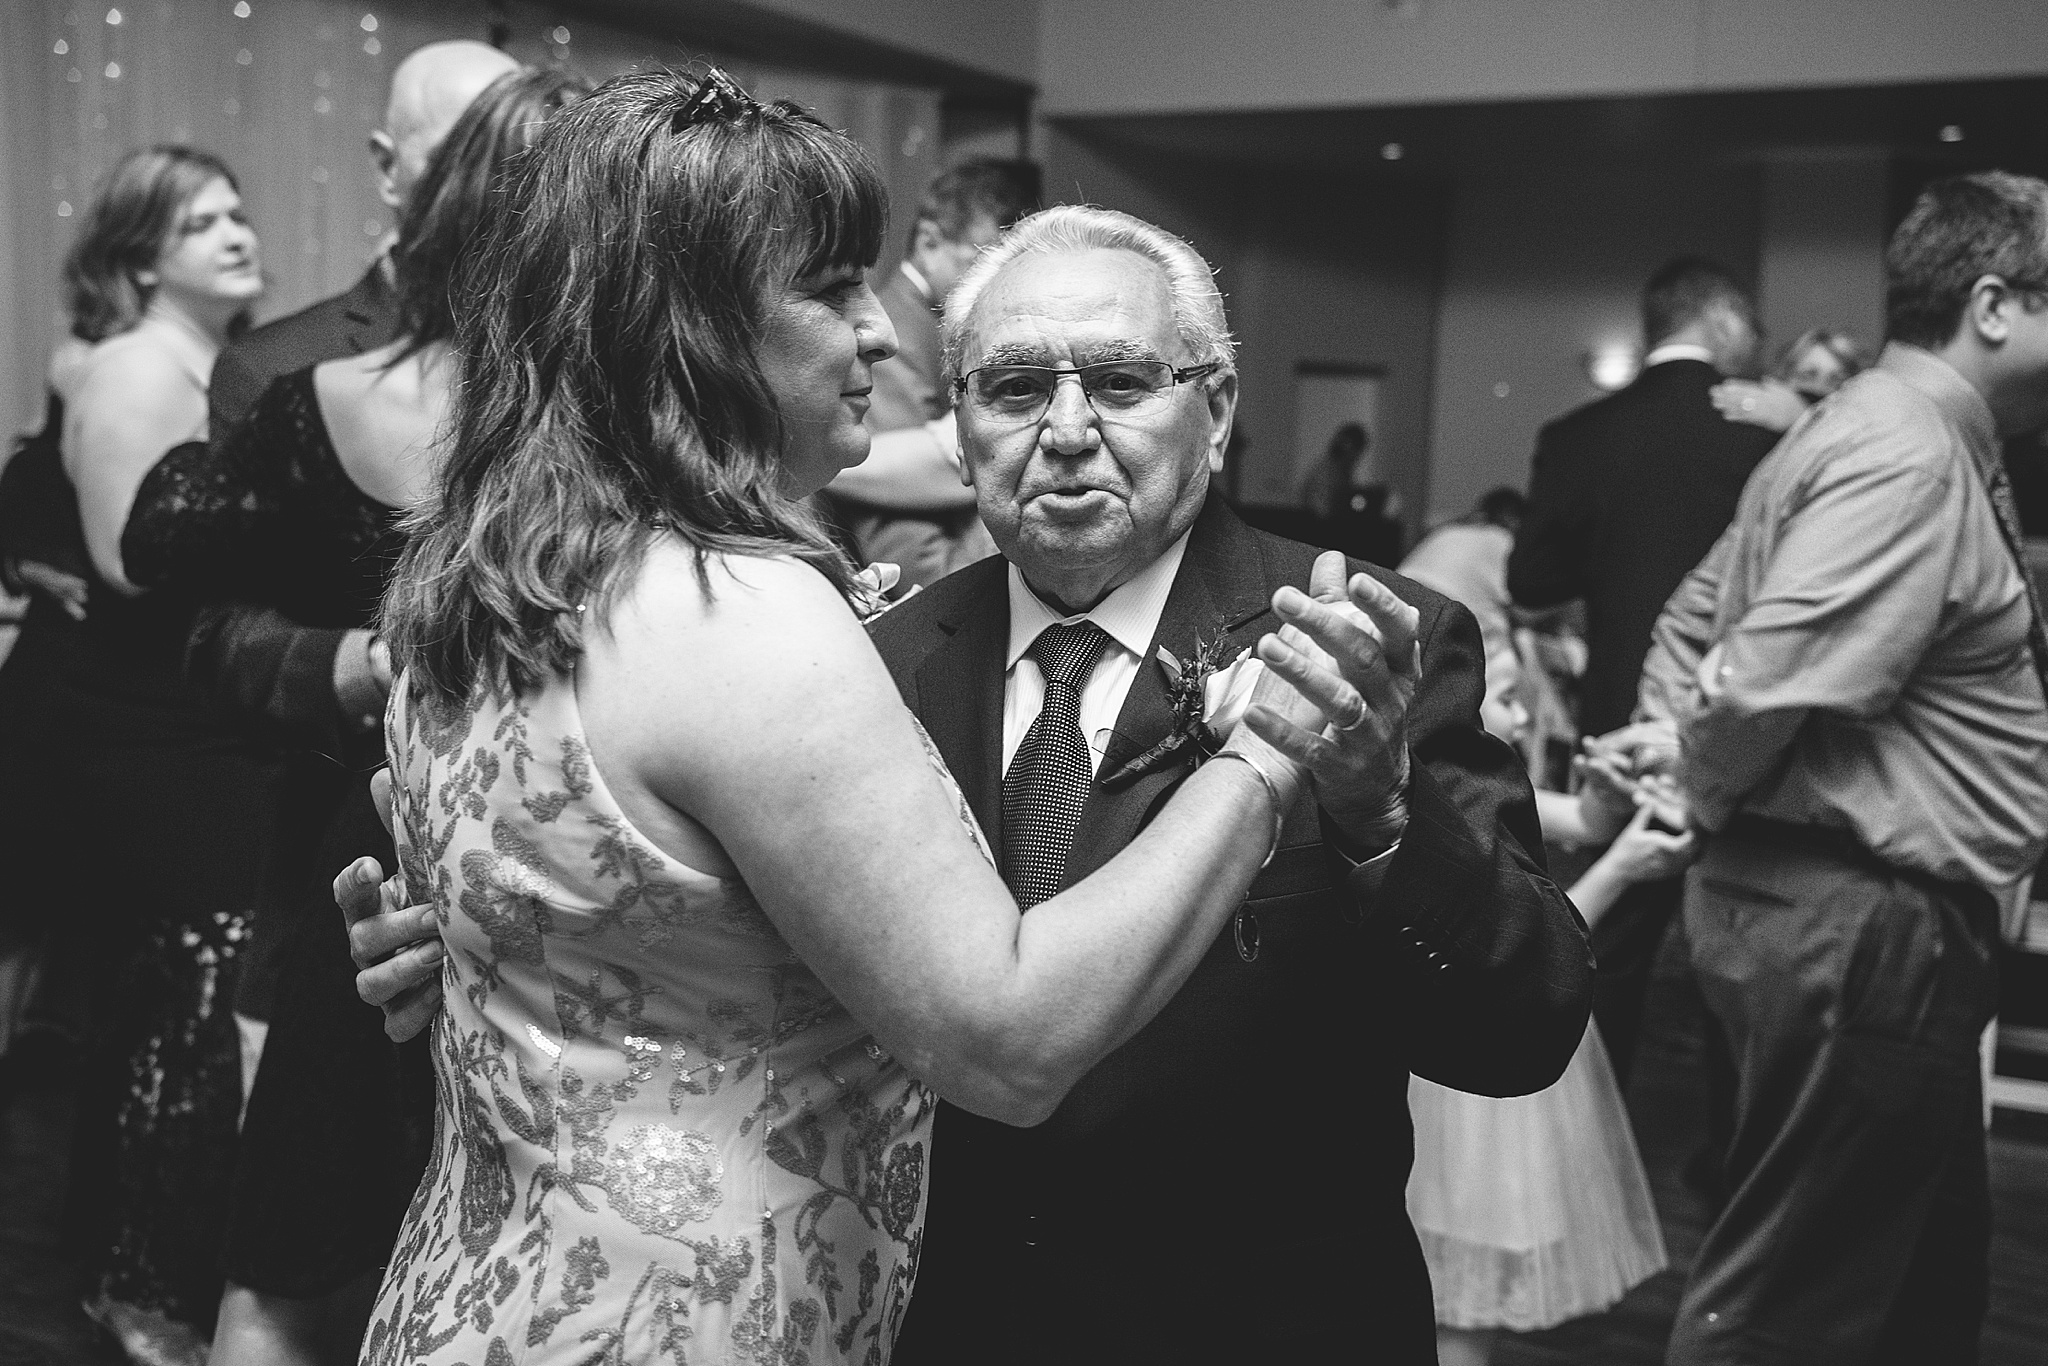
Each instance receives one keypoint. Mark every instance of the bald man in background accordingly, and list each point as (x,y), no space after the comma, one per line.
(429,91)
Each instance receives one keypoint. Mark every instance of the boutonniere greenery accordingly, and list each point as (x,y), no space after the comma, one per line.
(1206,693)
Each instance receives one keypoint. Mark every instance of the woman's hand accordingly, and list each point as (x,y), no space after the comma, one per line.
(1642,854)
(1607,797)
(1767,403)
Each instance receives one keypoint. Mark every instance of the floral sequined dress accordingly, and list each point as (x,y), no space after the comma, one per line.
(660,1138)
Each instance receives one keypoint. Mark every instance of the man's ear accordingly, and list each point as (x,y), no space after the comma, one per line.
(1222,399)
(384,152)
(1989,309)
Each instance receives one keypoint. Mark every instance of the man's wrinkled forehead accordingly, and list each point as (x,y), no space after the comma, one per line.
(1072,308)
(1085,351)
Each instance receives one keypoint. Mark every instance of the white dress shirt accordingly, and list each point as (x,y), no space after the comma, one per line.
(1130,615)
(1678,351)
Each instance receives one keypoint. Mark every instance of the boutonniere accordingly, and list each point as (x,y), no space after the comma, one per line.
(871,591)
(1208,693)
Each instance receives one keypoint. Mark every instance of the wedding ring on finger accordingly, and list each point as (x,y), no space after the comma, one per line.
(1355,722)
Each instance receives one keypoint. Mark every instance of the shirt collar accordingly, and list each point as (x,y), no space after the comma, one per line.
(1957,398)
(1678,351)
(919,283)
(1130,614)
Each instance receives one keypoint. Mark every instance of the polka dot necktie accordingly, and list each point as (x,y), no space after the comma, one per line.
(1049,779)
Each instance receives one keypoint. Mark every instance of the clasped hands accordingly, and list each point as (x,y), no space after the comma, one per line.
(1340,675)
(1350,649)
(1629,773)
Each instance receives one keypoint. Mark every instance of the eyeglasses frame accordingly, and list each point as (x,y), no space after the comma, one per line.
(1180,376)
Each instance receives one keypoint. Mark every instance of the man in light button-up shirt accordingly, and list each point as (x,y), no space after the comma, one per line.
(1858,698)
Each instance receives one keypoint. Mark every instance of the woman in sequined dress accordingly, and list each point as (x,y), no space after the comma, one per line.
(164,269)
(713,912)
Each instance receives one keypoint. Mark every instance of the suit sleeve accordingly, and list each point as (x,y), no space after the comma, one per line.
(260,665)
(1482,959)
(1548,563)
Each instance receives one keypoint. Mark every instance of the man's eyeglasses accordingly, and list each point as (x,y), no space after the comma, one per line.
(1020,394)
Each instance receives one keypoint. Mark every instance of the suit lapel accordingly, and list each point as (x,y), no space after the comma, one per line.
(1221,589)
(960,695)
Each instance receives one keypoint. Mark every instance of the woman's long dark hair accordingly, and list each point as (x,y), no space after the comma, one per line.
(124,232)
(448,202)
(606,330)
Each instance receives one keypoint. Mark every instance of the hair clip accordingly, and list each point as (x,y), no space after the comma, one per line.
(717,96)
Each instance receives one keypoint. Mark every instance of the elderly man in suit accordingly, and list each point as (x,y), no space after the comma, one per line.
(1229,1184)
(1627,494)
(905,504)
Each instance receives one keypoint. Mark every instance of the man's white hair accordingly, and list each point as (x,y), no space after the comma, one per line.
(1197,303)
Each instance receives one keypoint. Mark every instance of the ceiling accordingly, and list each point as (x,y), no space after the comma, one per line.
(2002,123)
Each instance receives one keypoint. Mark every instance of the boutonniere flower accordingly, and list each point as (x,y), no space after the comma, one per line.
(1208,692)
(871,591)
(1209,695)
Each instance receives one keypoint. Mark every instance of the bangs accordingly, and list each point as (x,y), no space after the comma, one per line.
(830,186)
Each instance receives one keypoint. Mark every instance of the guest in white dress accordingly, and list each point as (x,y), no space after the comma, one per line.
(1533,1210)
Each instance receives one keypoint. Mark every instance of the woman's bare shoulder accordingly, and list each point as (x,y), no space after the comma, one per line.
(135,369)
(678,585)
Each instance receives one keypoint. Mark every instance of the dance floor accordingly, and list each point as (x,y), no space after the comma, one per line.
(40,1324)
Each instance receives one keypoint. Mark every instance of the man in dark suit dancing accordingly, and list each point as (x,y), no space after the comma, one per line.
(1627,495)
(1229,1184)
(325,684)
(430,89)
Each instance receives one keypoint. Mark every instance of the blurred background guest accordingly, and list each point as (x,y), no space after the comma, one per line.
(1468,560)
(1627,493)
(1346,513)
(1534,1210)
(297,510)
(1812,367)
(906,504)
(306,686)
(164,270)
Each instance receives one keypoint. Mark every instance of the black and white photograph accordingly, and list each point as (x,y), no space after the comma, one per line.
(1023,682)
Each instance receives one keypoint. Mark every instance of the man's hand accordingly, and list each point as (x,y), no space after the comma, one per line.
(1769,403)
(1640,749)
(1359,760)
(397,948)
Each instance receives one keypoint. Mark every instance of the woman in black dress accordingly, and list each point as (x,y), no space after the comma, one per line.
(298,510)
(166,806)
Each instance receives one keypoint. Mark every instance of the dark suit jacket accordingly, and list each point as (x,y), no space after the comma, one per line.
(1628,494)
(1229,1183)
(360,319)
(254,660)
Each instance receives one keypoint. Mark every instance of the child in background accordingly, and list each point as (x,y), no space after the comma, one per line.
(1533,1210)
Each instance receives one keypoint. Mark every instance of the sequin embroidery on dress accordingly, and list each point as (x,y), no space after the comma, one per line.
(660,1138)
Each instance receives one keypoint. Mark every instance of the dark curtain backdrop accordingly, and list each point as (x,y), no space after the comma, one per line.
(287,91)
